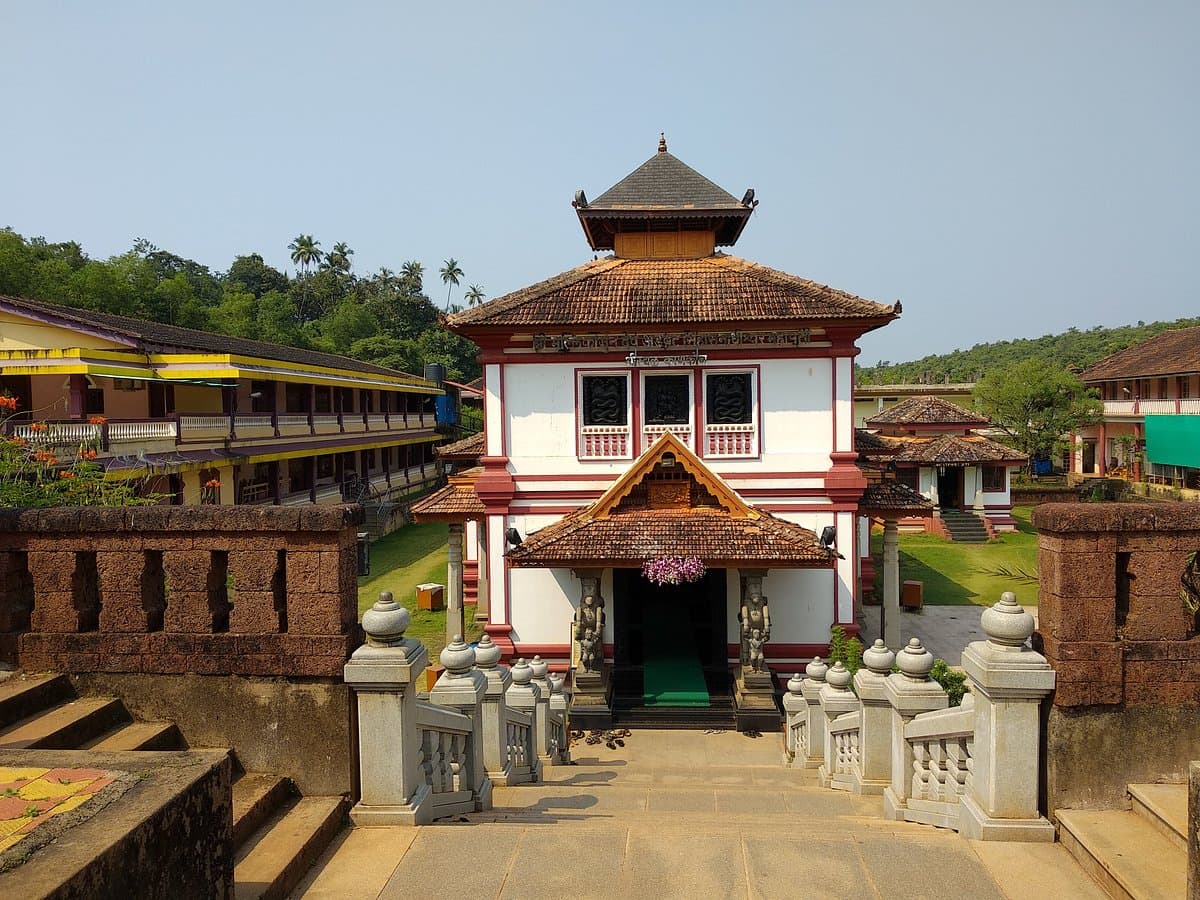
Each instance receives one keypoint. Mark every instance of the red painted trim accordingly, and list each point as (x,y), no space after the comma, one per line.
(747,355)
(606,476)
(546,510)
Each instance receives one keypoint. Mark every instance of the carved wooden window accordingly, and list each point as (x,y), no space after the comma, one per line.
(667,401)
(605,400)
(729,400)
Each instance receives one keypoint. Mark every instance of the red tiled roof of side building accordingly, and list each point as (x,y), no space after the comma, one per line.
(717,290)
(455,502)
(926,411)
(1175,352)
(949,449)
(469,448)
(711,534)
(890,496)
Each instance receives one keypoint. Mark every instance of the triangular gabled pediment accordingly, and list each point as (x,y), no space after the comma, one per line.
(670,476)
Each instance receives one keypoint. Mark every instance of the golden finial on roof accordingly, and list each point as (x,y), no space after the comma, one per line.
(662,142)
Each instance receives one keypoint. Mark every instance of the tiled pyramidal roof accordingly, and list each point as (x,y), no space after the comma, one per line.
(665,182)
(718,289)
(889,495)
(455,501)
(467,449)
(948,449)
(926,411)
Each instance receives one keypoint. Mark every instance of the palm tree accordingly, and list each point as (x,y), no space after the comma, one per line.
(305,251)
(475,295)
(342,251)
(413,271)
(451,272)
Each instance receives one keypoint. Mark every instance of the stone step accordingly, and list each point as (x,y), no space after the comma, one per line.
(1124,853)
(275,858)
(67,726)
(139,736)
(1165,806)
(256,797)
(23,695)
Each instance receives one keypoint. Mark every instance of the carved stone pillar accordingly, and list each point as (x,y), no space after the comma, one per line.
(891,583)
(873,773)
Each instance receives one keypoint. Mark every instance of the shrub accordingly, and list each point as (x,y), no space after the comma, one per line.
(954,683)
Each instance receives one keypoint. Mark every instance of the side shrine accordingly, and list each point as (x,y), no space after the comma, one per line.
(667,494)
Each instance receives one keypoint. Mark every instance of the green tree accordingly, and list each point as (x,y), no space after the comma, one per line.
(251,274)
(475,295)
(451,272)
(348,323)
(1035,403)
(414,273)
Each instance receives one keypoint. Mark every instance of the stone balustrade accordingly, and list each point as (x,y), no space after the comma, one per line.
(179,590)
(483,724)
(972,768)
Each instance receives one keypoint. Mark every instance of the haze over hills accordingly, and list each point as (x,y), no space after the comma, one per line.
(1072,349)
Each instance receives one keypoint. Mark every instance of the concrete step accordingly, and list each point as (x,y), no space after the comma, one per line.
(23,695)
(256,797)
(1124,853)
(67,726)
(139,736)
(276,857)
(1165,806)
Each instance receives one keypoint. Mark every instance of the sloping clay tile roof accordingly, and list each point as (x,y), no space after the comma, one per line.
(665,182)
(468,448)
(1175,352)
(455,502)
(892,496)
(631,538)
(926,411)
(718,289)
(952,449)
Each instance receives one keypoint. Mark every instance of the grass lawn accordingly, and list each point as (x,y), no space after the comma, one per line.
(961,574)
(400,561)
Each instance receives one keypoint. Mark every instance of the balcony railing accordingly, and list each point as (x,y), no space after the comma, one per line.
(726,441)
(651,433)
(1178,406)
(93,434)
(604,442)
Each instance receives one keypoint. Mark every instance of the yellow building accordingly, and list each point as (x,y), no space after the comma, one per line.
(209,418)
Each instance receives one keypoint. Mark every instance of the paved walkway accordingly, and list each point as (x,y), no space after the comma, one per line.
(686,814)
(944,630)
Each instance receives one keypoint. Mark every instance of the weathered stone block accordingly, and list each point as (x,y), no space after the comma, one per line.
(312,613)
(54,610)
(303,567)
(51,571)
(254,612)
(122,611)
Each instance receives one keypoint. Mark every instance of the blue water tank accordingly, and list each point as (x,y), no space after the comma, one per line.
(446,412)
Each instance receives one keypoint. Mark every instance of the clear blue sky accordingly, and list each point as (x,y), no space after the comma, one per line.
(1005,169)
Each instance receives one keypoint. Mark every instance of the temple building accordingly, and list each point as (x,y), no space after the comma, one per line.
(936,448)
(667,491)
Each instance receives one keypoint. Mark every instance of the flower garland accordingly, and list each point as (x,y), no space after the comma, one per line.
(673,570)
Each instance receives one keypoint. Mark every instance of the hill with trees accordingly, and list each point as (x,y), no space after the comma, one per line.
(1072,350)
(384,318)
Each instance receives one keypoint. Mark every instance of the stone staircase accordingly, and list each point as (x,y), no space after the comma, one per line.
(964,527)
(1139,853)
(277,833)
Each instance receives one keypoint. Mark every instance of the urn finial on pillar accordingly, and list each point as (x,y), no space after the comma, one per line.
(878,658)
(795,684)
(521,672)
(458,657)
(839,677)
(1007,624)
(487,653)
(915,661)
(816,670)
(385,623)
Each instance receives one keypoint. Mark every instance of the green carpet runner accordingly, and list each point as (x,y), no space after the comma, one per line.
(672,676)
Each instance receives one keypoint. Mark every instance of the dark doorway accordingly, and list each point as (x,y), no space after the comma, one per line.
(1089,457)
(949,485)
(670,642)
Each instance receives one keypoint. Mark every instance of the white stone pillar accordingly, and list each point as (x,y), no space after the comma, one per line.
(524,695)
(891,582)
(481,591)
(560,705)
(461,687)
(541,725)
(835,698)
(812,755)
(383,674)
(454,582)
(795,712)
(1009,682)
(909,693)
(874,771)
(495,711)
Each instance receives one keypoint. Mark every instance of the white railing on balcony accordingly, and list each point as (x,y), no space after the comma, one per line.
(353,422)
(193,428)
(377,422)
(1119,408)
(58,433)
(139,432)
(651,433)
(293,423)
(1156,407)
(329,493)
(326,423)
(604,442)
(446,759)
(731,440)
(253,423)
(1190,406)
